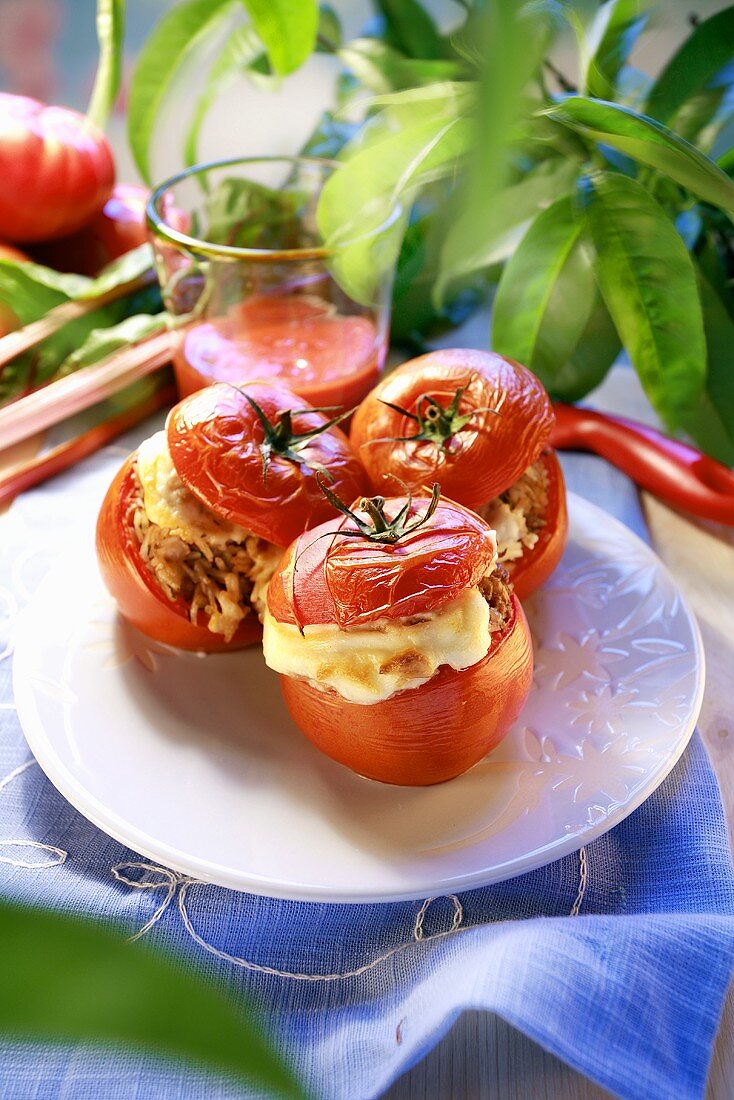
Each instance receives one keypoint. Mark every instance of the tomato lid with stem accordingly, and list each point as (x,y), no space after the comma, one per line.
(382,558)
(470,419)
(254,454)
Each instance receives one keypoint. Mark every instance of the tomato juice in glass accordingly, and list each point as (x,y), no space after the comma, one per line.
(251,289)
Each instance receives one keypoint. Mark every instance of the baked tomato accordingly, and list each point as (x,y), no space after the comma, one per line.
(471,420)
(56,170)
(480,424)
(139,595)
(403,654)
(256,455)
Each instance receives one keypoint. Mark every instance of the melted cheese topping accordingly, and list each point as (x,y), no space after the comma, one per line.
(168,503)
(367,664)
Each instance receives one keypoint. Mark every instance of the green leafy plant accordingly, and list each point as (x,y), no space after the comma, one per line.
(121,305)
(67,980)
(600,224)
(263,38)
(590,201)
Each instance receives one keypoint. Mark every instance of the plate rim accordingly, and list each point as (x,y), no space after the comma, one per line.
(208,872)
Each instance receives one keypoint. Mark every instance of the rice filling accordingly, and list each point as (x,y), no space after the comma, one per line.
(497,591)
(221,581)
(518,514)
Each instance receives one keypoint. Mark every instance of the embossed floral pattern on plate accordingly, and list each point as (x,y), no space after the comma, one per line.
(195,763)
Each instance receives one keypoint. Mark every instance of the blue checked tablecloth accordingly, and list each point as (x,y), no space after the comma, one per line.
(617,959)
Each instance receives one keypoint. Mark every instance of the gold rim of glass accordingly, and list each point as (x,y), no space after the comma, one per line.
(161,228)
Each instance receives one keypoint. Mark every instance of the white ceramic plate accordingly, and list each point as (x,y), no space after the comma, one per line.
(194,762)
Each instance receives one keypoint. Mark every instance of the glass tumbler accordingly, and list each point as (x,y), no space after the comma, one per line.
(252,290)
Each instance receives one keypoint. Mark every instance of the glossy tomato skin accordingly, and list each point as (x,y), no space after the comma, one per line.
(536,565)
(428,734)
(116,229)
(215,439)
(436,731)
(56,170)
(328,577)
(8,320)
(479,462)
(138,595)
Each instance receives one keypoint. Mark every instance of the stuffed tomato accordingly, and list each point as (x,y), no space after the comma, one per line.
(195,522)
(480,424)
(403,652)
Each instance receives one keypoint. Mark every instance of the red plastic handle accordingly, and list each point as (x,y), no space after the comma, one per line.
(673,471)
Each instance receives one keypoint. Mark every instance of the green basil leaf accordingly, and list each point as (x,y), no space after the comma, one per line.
(383,69)
(131,265)
(648,142)
(648,282)
(609,42)
(68,980)
(110,36)
(701,117)
(415,315)
(401,151)
(410,28)
(239,51)
(31,290)
(711,421)
(513,209)
(591,359)
(287,29)
(406,106)
(712,257)
(707,50)
(329,32)
(726,162)
(103,341)
(175,39)
(41,364)
(546,295)
(540,138)
(516,38)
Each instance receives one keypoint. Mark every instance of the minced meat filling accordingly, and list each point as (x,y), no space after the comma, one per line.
(497,591)
(518,514)
(215,580)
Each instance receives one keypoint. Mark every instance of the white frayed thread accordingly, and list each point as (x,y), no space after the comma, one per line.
(168,880)
(58,854)
(173,882)
(418,933)
(583,879)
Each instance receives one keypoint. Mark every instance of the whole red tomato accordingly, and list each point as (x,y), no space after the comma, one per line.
(421,735)
(56,170)
(138,594)
(255,454)
(8,320)
(475,422)
(116,229)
